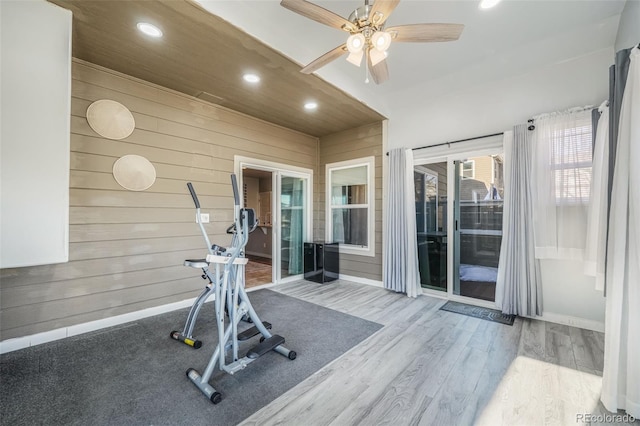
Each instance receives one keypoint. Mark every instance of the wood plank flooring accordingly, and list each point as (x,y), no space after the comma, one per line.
(431,367)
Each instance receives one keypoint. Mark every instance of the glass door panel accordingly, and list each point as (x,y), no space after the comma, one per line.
(293,224)
(479,189)
(431,224)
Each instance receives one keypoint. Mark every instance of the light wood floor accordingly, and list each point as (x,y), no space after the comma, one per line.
(257,272)
(432,367)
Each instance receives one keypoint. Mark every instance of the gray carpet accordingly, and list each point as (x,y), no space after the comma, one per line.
(134,374)
(478,312)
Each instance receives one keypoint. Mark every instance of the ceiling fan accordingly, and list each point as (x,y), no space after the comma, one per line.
(368,36)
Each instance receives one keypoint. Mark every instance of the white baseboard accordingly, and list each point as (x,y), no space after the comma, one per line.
(17,343)
(361,280)
(587,324)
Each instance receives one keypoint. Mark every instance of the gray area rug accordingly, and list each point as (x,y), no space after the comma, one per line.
(134,374)
(478,312)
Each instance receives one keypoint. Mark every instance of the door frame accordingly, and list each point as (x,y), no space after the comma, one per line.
(476,151)
(278,169)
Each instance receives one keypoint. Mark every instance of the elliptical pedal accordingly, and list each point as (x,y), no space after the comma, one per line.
(265,346)
(253,331)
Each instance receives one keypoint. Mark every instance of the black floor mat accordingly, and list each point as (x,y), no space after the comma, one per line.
(478,312)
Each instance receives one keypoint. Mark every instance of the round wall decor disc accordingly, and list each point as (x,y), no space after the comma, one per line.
(134,172)
(110,119)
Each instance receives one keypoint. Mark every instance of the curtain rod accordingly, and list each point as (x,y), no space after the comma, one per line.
(459,140)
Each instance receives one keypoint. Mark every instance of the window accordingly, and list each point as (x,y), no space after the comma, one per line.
(571,162)
(350,205)
(467,169)
(561,182)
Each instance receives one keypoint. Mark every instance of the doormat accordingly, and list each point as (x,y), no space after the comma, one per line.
(478,312)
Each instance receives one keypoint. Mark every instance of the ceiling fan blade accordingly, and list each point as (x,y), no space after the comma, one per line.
(426,32)
(317,13)
(384,7)
(379,72)
(323,60)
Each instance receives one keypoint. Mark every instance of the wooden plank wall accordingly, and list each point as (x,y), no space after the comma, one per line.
(360,142)
(127,248)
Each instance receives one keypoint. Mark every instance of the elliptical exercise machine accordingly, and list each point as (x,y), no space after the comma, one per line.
(186,336)
(230,299)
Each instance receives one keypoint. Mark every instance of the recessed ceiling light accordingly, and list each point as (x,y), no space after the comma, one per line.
(310,106)
(251,78)
(149,29)
(488,4)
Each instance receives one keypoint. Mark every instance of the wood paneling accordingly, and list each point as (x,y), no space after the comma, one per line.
(201,52)
(363,141)
(127,248)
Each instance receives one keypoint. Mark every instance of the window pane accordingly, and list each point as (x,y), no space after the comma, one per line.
(466,171)
(573,185)
(571,157)
(349,186)
(350,226)
(351,194)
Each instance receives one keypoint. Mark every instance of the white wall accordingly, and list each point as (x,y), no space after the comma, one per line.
(568,295)
(629,29)
(498,105)
(34,139)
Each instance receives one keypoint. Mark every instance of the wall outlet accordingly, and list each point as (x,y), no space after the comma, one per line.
(204,218)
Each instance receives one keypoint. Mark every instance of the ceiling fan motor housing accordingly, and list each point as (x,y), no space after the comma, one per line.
(362,22)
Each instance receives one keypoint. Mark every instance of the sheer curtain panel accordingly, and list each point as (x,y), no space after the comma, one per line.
(518,287)
(596,245)
(400,263)
(561,182)
(621,373)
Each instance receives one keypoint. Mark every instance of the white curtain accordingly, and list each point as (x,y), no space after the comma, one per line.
(596,245)
(400,263)
(561,182)
(518,287)
(621,374)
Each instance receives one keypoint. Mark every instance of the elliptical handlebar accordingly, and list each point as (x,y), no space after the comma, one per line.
(198,219)
(193,195)
(234,185)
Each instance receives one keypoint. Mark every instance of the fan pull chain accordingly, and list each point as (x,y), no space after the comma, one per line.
(366,66)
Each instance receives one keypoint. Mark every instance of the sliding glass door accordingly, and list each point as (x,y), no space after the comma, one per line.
(293,209)
(478,202)
(431,224)
(459,202)
(282,195)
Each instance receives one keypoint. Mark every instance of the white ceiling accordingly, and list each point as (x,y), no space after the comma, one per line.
(498,43)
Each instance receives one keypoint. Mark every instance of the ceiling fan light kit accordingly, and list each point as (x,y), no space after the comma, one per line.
(368,37)
(355,43)
(381,40)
